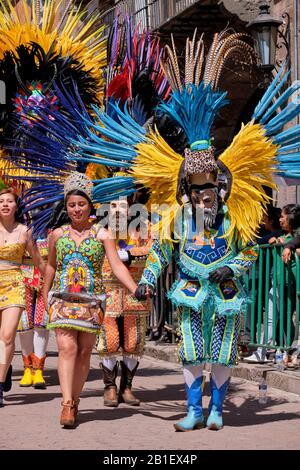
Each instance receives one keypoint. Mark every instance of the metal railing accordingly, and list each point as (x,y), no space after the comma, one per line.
(147,14)
(270,319)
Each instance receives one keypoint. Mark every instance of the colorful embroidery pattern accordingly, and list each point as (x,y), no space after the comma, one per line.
(79,270)
(12,289)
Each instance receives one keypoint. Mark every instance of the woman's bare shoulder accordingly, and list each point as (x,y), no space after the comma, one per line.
(56,234)
(23,228)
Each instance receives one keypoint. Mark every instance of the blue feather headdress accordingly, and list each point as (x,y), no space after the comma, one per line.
(196,100)
(65,140)
(273,112)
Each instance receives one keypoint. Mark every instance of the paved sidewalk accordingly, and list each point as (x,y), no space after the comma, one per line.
(288,380)
(30,419)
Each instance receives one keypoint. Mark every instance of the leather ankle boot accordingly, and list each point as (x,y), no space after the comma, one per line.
(76,404)
(125,393)
(110,388)
(68,414)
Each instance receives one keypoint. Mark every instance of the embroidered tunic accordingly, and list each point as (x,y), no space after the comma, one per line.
(209,313)
(78,271)
(125,322)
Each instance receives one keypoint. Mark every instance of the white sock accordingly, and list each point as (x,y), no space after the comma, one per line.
(26,340)
(191,373)
(109,362)
(130,362)
(40,341)
(220,374)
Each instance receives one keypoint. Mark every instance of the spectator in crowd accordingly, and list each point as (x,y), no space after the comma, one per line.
(290,224)
(270,228)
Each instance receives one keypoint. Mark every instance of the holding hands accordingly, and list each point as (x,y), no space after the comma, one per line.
(143,292)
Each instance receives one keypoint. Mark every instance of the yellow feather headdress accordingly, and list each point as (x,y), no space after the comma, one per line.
(74,34)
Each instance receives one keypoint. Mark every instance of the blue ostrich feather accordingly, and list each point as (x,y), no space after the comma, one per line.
(109,189)
(270,93)
(194,110)
(288,136)
(124,135)
(273,112)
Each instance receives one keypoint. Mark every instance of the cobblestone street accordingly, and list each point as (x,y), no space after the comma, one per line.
(31,417)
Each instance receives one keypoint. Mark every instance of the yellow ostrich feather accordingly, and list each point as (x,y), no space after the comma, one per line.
(83,41)
(96,172)
(251,160)
(157,167)
(8,172)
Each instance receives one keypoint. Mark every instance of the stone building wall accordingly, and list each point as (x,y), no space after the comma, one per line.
(247,10)
(289,193)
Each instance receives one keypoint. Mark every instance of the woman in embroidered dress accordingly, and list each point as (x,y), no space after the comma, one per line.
(76,253)
(14,240)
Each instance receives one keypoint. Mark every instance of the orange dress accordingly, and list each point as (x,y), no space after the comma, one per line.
(12,288)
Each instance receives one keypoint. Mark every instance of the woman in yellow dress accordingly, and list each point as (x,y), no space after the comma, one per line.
(15,238)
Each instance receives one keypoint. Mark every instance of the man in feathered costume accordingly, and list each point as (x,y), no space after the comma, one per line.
(213,256)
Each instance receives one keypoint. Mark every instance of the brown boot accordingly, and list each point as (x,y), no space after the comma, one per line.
(76,404)
(125,393)
(110,388)
(38,365)
(68,414)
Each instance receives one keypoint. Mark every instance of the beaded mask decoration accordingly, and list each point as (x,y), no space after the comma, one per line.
(199,161)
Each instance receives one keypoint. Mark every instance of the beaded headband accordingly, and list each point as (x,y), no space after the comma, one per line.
(80,182)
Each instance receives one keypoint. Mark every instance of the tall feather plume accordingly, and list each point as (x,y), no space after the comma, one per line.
(194,55)
(171,67)
(226,46)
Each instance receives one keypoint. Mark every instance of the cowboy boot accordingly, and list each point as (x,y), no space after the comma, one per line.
(125,393)
(215,420)
(68,414)
(194,418)
(110,388)
(38,367)
(26,380)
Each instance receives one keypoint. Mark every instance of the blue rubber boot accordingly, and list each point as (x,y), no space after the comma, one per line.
(215,421)
(194,418)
